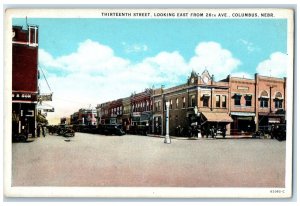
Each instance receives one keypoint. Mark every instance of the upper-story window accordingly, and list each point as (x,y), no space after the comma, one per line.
(218,101)
(171,104)
(158,106)
(278,100)
(248,99)
(224,100)
(183,102)
(176,103)
(237,100)
(264,99)
(193,101)
(205,99)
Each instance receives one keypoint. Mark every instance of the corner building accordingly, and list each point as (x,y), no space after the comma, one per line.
(238,106)
(24,79)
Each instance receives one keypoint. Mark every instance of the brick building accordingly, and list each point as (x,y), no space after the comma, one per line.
(201,101)
(141,107)
(24,79)
(234,106)
(84,117)
(130,111)
(115,110)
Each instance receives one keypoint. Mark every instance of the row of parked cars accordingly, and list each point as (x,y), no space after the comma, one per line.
(274,132)
(105,129)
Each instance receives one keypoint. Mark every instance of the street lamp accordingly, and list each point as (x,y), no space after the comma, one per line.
(167,137)
(197,116)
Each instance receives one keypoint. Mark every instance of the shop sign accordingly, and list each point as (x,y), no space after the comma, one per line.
(23,96)
(45,97)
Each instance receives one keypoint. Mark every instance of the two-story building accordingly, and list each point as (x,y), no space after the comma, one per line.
(235,105)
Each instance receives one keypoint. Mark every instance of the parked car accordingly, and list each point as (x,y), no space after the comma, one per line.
(258,134)
(111,129)
(279,132)
(65,130)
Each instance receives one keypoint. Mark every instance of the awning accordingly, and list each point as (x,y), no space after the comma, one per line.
(237,94)
(274,120)
(271,114)
(243,114)
(217,117)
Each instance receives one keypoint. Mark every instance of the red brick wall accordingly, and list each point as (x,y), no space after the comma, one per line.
(243,87)
(24,72)
(24,62)
(271,86)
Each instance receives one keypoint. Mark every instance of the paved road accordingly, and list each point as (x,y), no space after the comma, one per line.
(96,160)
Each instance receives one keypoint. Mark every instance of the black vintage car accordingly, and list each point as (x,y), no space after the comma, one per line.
(279,132)
(111,129)
(66,131)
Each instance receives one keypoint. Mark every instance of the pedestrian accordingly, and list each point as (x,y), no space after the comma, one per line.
(15,122)
(26,127)
(213,132)
(38,130)
(224,132)
(43,131)
(207,131)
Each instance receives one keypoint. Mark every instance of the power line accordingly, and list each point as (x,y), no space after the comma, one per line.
(45,78)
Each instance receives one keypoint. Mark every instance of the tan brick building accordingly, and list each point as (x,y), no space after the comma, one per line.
(232,106)
(239,106)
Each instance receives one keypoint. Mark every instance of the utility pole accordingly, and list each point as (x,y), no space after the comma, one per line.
(167,137)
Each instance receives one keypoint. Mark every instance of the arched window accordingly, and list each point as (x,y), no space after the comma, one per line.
(278,95)
(264,99)
(264,94)
(278,100)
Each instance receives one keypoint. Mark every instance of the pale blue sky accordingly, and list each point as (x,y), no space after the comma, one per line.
(251,41)
(91,61)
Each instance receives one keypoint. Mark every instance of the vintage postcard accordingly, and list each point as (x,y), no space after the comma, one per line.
(156,103)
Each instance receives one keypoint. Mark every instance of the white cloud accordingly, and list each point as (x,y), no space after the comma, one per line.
(275,66)
(94,74)
(46,59)
(135,48)
(215,59)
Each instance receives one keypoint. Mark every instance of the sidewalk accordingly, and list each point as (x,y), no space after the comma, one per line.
(195,138)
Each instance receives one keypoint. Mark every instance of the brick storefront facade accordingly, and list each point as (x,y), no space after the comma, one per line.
(232,106)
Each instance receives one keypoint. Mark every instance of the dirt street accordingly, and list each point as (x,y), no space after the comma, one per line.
(97,160)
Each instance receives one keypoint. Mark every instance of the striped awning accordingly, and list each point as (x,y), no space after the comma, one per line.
(217,117)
